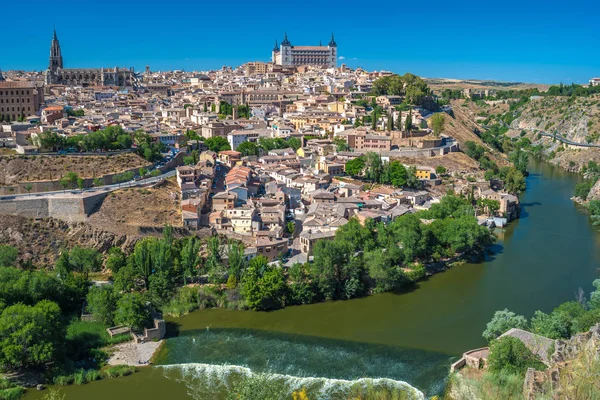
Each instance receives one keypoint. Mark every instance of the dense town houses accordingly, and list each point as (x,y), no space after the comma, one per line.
(261,150)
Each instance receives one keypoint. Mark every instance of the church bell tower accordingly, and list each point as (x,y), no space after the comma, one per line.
(56,60)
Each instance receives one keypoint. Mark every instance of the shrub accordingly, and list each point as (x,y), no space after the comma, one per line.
(80,377)
(582,189)
(118,371)
(510,355)
(93,375)
(63,380)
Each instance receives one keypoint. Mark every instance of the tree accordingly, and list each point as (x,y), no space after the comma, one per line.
(8,255)
(440,170)
(30,335)
(132,311)
(520,159)
(437,123)
(341,144)
(514,182)
(161,287)
(190,258)
(85,260)
(355,166)
(102,303)
(294,142)
(263,286)
(142,261)
(248,149)
(115,260)
(397,173)
(390,122)
(408,122)
(399,121)
(217,144)
(373,166)
(501,322)
(69,180)
(510,355)
(236,259)
(374,120)
(291,227)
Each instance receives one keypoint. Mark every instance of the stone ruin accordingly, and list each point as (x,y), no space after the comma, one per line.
(540,382)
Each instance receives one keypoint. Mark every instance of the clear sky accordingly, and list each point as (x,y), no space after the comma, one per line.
(527,40)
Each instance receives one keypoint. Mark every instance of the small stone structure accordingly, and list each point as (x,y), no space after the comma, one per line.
(118,330)
(150,334)
(473,358)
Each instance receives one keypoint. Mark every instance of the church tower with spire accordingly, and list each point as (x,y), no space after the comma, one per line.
(56,60)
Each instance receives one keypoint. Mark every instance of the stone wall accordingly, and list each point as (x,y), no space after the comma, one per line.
(68,208)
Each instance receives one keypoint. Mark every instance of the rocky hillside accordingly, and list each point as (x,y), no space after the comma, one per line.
(574,372)
(40,242)
(575,118)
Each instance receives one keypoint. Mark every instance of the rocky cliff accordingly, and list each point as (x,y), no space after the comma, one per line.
(574,371)
(575,118)
(41,241)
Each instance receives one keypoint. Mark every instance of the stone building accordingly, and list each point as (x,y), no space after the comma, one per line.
(293,56)
(19,99)
(56,74)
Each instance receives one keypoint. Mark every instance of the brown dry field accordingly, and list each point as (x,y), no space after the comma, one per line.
(41,168)
(139,207)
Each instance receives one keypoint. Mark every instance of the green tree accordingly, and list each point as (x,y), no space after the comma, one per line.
(582,189)
(69,180)
(8,255)
(132,311)
(290,227)
(85,260)
(399,121)
(374,120)
(115,260)
(102,303)
(440,170)
(390,122)
(30,335)
(236,259)
(520,159)
(355,166)
(437,123)
(514,182)
(248,149)
(263,286)
(294,142)
(190,258)
(501,322)
(141,260)
(398,175)
(161,287)
(373,167)
(217,144)
(510,355)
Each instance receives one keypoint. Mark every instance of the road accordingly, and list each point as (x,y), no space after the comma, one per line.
(106,188)
(563,139)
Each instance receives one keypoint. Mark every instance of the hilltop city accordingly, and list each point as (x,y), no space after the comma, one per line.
(132,198)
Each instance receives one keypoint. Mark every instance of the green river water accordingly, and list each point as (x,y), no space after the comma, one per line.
(403,339)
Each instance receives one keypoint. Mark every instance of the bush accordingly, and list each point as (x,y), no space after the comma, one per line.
(80,377)
(510,355)
(582,189)
(63,380)
(118,371)
(12,393)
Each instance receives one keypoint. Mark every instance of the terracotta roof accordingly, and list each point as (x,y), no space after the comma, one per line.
(21,84)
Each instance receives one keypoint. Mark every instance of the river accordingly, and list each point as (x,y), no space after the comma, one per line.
(539,261)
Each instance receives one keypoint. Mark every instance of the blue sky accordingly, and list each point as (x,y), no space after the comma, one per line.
(528,41)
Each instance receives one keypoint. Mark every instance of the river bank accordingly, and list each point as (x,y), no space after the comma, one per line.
(134,354)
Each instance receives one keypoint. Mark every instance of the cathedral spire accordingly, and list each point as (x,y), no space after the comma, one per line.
(285,42)
(276,48)
(56,60)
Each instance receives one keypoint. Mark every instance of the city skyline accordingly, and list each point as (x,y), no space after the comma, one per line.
(466,42)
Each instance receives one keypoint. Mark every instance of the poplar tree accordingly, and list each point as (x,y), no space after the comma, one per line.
(374,120)
(399,121)
(390,122)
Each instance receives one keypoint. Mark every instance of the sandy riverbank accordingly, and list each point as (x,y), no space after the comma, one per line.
(132,353)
